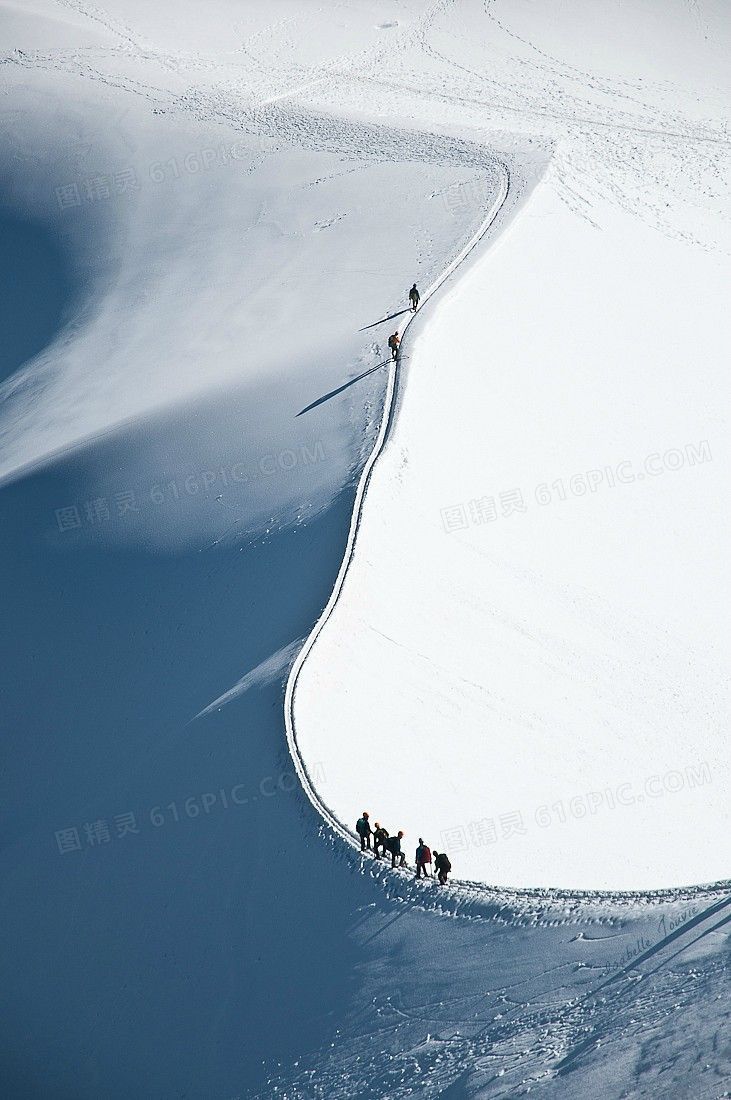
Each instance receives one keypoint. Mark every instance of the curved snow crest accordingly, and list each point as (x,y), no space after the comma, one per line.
(465,898)
(512,906)
(383,435)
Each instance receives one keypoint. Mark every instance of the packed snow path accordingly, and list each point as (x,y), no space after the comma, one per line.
(496,205)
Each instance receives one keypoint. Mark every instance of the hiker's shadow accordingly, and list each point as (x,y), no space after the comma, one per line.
(384,319)
(334,393)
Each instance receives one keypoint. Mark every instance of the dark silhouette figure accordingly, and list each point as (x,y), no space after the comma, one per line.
(380,836)
(423,857)
(414,298)
(442,866)
(363,829)
(393,845)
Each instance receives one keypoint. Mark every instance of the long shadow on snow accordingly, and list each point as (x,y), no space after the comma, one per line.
(345,386)
(383,320)
(174,960)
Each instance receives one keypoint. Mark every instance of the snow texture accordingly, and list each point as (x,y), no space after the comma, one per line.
(210,216)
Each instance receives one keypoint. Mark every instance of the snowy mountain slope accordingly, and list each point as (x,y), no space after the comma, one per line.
(611,1001)
(177,920)
(262,312)
(540,557)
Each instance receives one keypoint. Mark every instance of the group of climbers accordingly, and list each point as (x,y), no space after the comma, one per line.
(384,843)
(394,339)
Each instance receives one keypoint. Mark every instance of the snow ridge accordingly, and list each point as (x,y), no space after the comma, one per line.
(386,423)
(473,900)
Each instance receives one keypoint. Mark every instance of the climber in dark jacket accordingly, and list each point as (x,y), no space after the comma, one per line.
(442,866)
(414,297)
(363,829)
(423,856)
(393,845)
(380,836)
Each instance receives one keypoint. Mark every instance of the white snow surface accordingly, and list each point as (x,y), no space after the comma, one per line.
(222,243)
(529,649)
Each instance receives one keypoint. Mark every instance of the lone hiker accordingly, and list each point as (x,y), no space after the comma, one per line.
(393,845)
(363,829)
(423,856)
(414,297)
(393,342)
(380,836)
(442,866)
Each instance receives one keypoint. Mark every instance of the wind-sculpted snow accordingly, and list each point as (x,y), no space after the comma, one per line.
(240,196)
(264,674)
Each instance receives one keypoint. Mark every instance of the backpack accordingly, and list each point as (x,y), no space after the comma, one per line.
(446,865)
(426,854)
(360,826)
